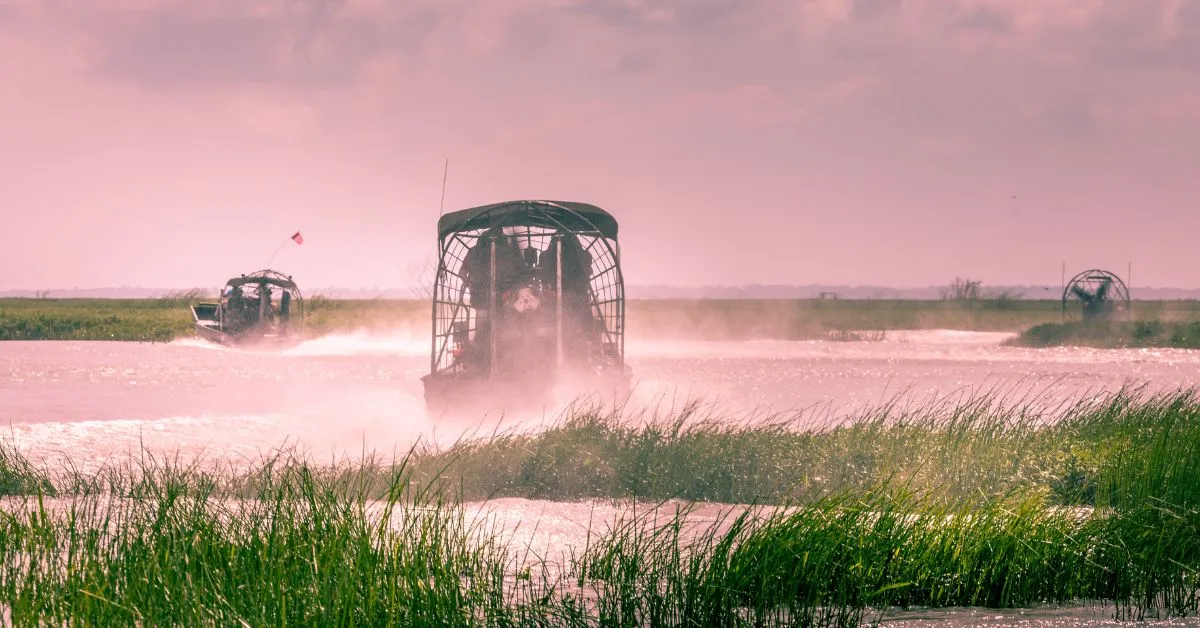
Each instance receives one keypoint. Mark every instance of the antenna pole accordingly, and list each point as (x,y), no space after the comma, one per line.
(1129,287)
(1063,294)
(285,243)
(445,174)
(558,308)
(492,317)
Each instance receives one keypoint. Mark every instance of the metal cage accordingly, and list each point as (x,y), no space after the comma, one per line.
(526,289)
(287,314)
(1095,295)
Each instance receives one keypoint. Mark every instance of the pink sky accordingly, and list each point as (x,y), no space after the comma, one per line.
(173,143)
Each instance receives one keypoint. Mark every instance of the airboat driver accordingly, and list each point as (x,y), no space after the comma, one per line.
(266,310)
(511,270)
(285,306)
(576,280)
(236,307)
(510,267)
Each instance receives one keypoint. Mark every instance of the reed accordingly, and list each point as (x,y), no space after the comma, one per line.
(1101,450)
(1113,335)
(148,320)
(978,502)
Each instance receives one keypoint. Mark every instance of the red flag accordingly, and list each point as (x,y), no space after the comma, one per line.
(298,238)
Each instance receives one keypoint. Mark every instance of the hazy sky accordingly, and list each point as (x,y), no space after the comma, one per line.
(172,143)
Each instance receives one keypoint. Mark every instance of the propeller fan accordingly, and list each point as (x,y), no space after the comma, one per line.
(1100,294)
(1097,291)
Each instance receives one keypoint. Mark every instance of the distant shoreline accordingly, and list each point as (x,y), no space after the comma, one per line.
(160,320)
(650,292)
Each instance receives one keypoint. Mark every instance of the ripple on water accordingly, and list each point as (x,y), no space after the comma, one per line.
(364,388)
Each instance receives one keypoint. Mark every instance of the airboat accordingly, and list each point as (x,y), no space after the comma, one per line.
(249,313)
(528,307)
(1095,295)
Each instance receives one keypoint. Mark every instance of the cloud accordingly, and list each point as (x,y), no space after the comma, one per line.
(848,104)
(987,18)
(694,17)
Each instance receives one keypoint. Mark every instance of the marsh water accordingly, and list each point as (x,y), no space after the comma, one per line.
(343,394)
(346,392)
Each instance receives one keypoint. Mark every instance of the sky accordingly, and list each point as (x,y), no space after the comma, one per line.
(173,143)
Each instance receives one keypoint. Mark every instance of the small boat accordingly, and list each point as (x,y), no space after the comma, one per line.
(249,312)
(528,307)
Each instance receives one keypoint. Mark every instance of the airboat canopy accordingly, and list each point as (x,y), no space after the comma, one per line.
(282,282)
(568,215)
(528,304)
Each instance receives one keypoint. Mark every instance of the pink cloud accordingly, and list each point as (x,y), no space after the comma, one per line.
(895,126)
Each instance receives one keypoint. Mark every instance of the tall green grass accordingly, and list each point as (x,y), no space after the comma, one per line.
(168,318)
(307,550)
(1114,335)
(980,447)
(975,503)
(156,320)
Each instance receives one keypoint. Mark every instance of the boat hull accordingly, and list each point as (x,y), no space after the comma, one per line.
(249,338)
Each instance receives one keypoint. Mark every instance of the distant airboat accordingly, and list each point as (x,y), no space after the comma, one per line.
(528,300)
(264,307)
(1095,295)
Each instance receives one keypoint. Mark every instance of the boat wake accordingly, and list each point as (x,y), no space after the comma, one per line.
(362,342)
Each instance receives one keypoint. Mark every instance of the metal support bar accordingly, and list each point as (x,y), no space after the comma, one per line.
(558,309)
(492,311)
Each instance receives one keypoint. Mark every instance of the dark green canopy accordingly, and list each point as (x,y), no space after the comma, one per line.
(574,217)
(282,282)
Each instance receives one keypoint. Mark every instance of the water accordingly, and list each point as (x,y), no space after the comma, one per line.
(344,393)
(93,401)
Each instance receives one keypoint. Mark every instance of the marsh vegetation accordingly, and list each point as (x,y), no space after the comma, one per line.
(1139,334)
(1174,324)
(981,502)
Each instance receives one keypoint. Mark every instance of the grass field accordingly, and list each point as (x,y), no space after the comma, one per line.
(974,504)
(163,320)
(167,319)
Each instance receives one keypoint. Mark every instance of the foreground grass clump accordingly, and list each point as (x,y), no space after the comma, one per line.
(970,504)
(307,547)
(306,550)
(845,557)
(1113,335)
(979,448)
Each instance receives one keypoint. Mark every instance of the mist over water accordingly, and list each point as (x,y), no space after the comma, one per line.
(345,393)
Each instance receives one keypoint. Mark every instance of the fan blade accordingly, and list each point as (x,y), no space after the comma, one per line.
(1083,295)
(1102,291)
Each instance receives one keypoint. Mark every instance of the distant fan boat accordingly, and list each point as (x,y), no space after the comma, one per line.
(1095,295)
(264,307)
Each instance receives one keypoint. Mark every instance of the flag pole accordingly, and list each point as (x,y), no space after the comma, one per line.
(268,266)
(445,174)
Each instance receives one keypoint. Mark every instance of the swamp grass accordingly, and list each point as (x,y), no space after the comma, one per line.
(167,319)
(149,320)
(662,319)
(975,503)
(1138,334)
